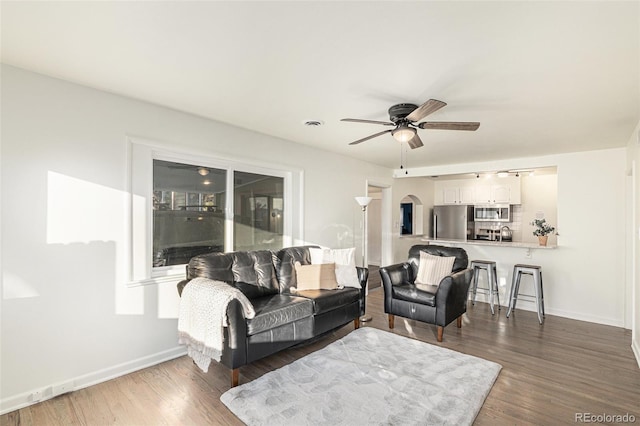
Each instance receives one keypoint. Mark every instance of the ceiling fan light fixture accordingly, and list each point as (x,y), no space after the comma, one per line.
(203,171)
(403,133)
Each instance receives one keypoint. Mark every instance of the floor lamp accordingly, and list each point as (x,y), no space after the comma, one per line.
(364,202)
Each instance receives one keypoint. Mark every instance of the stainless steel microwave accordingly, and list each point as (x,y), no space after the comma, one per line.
(492,213)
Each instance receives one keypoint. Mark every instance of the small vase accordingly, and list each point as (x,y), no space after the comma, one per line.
(542,239)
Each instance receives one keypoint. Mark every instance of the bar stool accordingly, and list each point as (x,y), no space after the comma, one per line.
(536,272)
(492,280)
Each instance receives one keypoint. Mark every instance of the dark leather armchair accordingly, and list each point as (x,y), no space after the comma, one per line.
(438,305)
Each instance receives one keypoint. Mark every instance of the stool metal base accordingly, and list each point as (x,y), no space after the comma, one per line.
(536,272)
(492,280)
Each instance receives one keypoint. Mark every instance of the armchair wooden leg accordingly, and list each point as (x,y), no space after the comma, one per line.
(440,333)
(391,321)
(459,322)
(235,375)
(356,323)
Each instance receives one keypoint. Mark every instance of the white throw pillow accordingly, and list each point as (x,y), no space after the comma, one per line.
(345,260)
(432,269)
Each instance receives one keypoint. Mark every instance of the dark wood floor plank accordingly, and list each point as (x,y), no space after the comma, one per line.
(550,372)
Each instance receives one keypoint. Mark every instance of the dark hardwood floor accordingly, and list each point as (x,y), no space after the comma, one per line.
(550,373)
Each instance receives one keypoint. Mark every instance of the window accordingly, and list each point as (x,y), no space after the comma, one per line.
(258,217)
(188,211)
(184,204)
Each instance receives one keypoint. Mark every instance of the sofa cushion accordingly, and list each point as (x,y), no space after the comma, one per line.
(250,272)
(215,266)
(276,310)
(284,261)
(422,294)
(253,273)
(327,300)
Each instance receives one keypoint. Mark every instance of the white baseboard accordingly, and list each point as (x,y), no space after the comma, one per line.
(527,305)
(22,400)
(635,347)
(615,322)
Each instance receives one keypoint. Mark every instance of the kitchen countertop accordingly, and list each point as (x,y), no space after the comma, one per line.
(505,244)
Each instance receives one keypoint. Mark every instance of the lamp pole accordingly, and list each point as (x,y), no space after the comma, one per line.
(364,202)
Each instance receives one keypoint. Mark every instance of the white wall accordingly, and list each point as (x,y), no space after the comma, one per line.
(584,278)
(66,314)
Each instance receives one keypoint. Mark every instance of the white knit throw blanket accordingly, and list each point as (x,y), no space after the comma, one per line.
(203,314)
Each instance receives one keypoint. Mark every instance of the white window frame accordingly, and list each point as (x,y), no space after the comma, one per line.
(141,154)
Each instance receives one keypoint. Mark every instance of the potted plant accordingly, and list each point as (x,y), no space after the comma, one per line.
(542,231)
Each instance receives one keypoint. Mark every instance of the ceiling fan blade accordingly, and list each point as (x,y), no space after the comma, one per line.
(358,120)
(370,137)
(429,107)
(449,125)
(415,142)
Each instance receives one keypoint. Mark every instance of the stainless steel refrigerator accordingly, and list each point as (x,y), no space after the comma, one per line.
(453,223)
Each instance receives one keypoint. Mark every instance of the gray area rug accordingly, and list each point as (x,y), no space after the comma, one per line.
(369,377)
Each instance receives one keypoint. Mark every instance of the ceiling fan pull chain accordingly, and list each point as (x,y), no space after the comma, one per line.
(406,170)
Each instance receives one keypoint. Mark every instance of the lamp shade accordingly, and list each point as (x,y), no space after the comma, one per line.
(403,133)
(363,201)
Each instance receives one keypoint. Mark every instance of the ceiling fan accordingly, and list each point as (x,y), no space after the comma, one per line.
(403,118)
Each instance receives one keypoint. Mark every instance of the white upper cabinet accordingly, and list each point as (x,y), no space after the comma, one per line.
(455,195)
(473,191)
(467,195)
(501,193)
(450,195)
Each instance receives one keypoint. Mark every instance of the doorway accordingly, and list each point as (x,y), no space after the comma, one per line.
(378,245)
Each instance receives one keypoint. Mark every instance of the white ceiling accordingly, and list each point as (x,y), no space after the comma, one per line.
(541,77)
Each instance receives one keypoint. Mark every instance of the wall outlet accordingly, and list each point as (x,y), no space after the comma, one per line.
(527,254)
(36,396)
(62,388)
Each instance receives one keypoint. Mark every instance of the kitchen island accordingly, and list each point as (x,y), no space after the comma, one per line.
(506,254)
(511,244)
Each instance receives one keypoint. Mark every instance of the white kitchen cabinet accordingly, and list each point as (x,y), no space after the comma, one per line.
(456,195)
(500,194)
(451,196)
(467,195)
(499,191)
(483,194)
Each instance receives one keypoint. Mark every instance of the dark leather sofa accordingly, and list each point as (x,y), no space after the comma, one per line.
(282,319)
(438,305)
